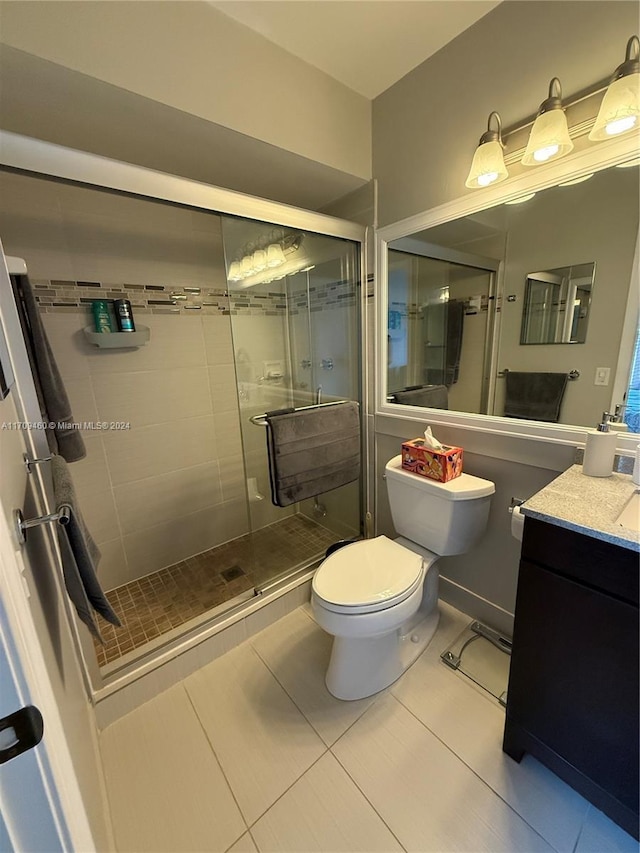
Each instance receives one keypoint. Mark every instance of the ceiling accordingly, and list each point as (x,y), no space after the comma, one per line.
(366,44)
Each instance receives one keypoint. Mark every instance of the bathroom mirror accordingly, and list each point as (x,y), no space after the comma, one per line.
(506,272)
(556,305)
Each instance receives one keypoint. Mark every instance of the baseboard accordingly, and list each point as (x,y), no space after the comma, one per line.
(477,607)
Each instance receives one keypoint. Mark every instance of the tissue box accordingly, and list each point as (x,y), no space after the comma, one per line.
(441,465)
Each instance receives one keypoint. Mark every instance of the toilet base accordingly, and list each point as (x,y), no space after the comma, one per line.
(362,666)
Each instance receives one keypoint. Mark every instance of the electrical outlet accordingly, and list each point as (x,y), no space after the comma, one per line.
(602,376)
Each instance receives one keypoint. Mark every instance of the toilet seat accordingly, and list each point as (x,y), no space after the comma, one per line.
(379,575)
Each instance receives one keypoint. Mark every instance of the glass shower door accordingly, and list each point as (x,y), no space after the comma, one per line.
(295,338)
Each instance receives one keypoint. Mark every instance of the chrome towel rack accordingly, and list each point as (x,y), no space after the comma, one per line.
(572,374)
(22,524)
(261,420)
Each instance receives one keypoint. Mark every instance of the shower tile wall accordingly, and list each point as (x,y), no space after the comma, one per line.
(173,484)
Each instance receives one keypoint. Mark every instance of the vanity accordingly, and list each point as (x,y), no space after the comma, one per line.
(573,686)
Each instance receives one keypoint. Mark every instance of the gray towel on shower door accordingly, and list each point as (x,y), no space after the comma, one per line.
(535,396)
(52,395)
(312,450)
(80,554)
(431,396)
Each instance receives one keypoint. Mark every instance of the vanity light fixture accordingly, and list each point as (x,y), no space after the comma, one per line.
(549,138)
(488,165)
(270,260)
(620,108)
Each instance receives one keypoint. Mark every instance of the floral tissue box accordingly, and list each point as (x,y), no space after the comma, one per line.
(441,465)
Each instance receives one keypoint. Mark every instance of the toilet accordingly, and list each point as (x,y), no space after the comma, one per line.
(379,597)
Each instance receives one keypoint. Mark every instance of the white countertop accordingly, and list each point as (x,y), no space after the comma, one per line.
(588,505)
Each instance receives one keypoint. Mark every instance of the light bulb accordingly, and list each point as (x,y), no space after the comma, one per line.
(259,260)
(545,153)
(487,178)
(620,125)
(275,255)
(235,273)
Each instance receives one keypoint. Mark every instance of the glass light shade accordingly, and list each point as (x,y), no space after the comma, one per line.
(259,260)
(619,110)
(235,273)
(246,266)
(487,166)
(549,138)
(275,255)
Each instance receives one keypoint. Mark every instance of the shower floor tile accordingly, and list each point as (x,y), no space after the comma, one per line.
(165,600)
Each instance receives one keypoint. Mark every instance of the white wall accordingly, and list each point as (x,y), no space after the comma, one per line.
(190,56)
(504,62)
(426,127)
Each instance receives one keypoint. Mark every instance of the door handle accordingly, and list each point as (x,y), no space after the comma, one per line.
(19,732)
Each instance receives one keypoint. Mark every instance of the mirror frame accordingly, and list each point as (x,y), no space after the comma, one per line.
(593,158)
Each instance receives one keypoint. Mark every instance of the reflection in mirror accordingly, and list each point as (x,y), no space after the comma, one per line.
(438,318)
(556,305)
(484,261)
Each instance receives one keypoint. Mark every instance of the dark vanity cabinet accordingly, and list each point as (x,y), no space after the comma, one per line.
(573,687)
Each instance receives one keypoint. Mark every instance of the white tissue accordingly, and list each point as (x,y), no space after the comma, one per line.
(430,441)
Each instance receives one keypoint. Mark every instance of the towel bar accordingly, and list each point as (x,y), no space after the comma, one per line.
(572,374)
(29,463)
(261,420)
(22,524)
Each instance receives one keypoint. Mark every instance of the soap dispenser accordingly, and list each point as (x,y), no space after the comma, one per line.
(600,449)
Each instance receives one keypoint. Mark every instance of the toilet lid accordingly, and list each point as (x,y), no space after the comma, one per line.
(369,572)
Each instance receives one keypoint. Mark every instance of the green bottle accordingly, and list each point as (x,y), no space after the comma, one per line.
(101,317)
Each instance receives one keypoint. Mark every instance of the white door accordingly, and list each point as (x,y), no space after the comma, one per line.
(31,818)
(40,797)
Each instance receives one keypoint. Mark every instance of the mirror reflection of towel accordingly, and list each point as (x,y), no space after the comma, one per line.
(431,396)
(534,396)
(442,363)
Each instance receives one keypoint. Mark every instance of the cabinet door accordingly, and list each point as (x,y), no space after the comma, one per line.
(574,677)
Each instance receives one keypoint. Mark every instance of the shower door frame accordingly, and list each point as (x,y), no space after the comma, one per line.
(46,160)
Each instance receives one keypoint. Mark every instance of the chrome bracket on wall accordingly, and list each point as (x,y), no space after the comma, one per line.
(29,463)
(22,524)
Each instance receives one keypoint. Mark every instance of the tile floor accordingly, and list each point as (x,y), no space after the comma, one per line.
(167,599)
(251,753)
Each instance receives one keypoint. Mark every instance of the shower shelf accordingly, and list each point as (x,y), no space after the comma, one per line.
(118,340)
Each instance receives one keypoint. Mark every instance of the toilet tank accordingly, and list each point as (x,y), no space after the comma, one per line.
(446,518)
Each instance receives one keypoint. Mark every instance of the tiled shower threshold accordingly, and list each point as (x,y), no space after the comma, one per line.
(165,601)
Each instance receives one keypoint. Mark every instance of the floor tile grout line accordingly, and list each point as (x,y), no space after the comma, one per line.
(476,774)
(329,746)
(295,782)
(402,847)
(218,762)
(297,779)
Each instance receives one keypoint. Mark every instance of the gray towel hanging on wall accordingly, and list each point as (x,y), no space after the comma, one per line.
(534,396)
(52,395)
(312,450)
(80,555)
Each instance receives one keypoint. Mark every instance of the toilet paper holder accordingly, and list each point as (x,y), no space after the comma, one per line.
(514,503)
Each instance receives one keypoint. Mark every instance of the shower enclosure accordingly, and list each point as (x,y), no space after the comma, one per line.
(175,485)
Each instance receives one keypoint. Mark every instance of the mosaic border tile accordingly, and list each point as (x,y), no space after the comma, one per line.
(61,296)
